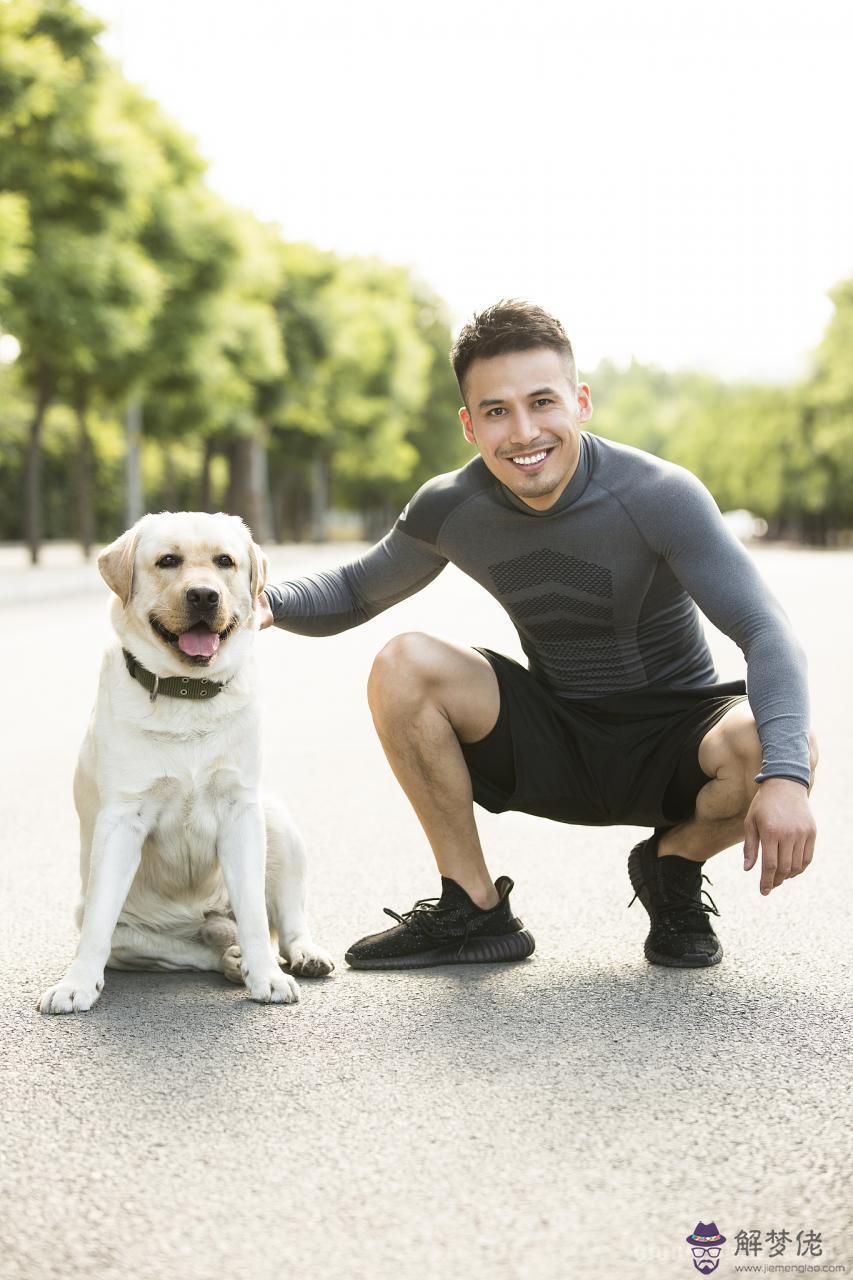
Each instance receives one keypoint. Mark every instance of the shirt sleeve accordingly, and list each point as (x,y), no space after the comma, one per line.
(682,522)
(323,604)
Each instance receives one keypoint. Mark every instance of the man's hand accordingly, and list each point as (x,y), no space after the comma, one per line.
(780,821)
(264,612)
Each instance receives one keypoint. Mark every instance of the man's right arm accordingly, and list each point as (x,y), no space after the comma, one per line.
(322,604)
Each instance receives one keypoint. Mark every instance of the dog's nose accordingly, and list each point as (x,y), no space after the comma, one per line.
(202,597)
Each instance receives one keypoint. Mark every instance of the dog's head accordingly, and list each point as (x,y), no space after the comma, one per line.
(186,583)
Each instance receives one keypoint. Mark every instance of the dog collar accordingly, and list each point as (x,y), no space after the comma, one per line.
(171,686)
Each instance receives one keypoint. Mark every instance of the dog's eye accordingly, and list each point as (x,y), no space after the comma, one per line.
(168,562)
(224,562)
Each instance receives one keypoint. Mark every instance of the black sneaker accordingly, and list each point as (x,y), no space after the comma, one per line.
(447,930)
(671,890)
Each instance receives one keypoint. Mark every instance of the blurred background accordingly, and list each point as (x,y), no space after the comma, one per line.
(236,242)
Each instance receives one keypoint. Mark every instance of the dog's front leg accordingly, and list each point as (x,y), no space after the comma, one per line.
(241,849)
(116,851)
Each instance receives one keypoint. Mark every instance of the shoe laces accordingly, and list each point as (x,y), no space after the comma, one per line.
(683,901)
(423,919)
(423,922)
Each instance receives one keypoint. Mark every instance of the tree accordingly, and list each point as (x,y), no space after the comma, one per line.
(87,293)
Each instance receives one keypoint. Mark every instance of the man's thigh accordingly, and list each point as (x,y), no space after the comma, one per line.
(731,746)
(532,761)
(623,759)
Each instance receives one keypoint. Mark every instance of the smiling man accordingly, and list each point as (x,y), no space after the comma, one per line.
(600,555)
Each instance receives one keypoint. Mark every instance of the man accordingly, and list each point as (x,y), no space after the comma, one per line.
(600,554)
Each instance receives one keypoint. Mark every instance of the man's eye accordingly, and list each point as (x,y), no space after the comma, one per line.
(543,400)
(224,562)
(498,411)
(168,562)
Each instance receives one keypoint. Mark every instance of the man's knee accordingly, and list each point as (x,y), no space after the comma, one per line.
(743,746)
(404,669)
(740,748)
(731,755)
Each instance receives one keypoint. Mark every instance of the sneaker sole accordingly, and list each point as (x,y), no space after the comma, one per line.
(507,946)
(693,960)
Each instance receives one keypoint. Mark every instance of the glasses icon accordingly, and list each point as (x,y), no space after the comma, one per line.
(699,1252)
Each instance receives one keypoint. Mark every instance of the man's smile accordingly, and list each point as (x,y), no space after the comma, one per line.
(533,460)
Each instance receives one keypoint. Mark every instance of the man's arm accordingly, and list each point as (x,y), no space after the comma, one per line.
(322,604)
(714,568)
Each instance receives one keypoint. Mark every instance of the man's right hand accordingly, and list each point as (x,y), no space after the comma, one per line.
(264,612)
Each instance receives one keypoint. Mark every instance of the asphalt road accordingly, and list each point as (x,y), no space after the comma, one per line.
(572,1116)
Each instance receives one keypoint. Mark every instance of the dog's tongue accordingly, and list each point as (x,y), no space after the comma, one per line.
(200,642)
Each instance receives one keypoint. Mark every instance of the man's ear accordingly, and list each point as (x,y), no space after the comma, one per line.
(259,568)
(467,429)
(584,402)
(116,564)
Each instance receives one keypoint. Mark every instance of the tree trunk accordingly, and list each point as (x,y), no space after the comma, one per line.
(205,496)
(291,501)
(319,498)
(85,519)
(32,482)
(170,488)
(258,485)
(134,501)
(238,466)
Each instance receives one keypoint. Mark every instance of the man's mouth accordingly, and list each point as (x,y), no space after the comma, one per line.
(533,460)
(199,642)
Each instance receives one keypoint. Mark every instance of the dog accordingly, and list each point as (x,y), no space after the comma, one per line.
(183,864)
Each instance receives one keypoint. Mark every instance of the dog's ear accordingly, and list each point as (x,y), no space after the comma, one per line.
(116,564)
(259,568)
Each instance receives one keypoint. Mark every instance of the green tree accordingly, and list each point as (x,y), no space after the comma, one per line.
(87,294)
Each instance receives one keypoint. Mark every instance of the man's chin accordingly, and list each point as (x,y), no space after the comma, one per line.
(536,487)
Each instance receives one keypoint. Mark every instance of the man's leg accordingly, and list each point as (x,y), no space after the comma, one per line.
(730,754)
(427,696)
(666,870)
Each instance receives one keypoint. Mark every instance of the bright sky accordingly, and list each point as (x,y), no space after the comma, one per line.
(672,178)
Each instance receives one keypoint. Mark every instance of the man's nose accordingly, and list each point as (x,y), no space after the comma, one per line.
(524,429)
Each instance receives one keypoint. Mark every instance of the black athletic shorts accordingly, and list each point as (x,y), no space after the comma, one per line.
(628,758)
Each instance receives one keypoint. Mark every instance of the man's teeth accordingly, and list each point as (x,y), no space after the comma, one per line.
(531,459)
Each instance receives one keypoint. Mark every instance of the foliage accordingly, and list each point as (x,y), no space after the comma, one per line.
(266,364)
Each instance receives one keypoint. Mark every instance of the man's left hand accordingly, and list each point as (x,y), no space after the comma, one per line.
(264,612)
(781,823)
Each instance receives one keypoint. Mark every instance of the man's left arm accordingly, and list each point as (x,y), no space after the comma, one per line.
(717,572)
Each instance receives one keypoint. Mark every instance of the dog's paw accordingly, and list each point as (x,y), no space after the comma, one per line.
(302,956)
(69,997)
(218,931)
(274,988)
(232,964)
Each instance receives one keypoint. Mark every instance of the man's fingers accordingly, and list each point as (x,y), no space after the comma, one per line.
(769,861)
(265,616)
(750,845)
(808,853)
(785,861)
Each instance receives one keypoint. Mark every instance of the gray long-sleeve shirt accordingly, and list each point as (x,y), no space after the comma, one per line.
(602,587)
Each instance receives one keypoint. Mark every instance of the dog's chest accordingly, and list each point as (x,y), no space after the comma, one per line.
(190,802)
(191,810)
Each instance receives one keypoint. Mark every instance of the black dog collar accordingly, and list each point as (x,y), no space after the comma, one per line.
(171,686)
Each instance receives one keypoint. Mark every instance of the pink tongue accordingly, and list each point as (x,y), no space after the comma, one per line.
(199,644)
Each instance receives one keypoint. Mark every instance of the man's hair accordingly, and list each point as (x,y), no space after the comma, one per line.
(510,325)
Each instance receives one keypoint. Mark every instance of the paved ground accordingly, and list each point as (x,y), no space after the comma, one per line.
(572,1116)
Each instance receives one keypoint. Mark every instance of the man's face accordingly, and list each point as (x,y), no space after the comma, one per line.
(524,416)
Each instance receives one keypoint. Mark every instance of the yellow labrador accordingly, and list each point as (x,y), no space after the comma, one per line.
(183,865)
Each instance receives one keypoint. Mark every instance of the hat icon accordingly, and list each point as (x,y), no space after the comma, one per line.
(706,1236)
